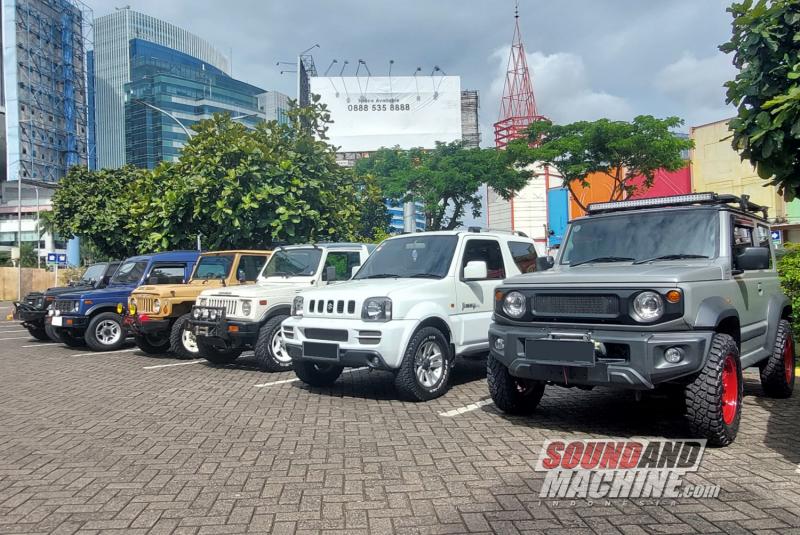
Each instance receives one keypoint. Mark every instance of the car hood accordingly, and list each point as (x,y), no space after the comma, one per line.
(255,290)
(609,274)
(105,294)
(361,289)
(191,289)
(60,290)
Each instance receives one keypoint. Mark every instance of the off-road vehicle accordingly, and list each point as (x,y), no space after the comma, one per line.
(676,292)
(419,301)
(158,315)
(226,321)
(94,317)
(32,311)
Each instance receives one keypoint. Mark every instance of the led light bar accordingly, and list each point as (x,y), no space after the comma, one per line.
(673,200)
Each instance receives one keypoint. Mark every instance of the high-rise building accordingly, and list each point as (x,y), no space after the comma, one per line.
(113,62)
(169,91)
(44,98)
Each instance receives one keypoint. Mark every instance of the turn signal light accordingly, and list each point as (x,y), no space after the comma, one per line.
(233,328)
(87,301)
(498,296)
(674,296)
(120,308)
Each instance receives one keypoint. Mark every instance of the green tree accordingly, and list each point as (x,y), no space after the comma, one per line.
(27,255)
(619,149)
(375,219)
(766,91)
(97,205)
(446,180)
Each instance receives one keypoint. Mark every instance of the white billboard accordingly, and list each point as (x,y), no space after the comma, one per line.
(373,112)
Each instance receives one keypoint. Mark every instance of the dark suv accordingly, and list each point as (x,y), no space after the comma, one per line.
(32,311)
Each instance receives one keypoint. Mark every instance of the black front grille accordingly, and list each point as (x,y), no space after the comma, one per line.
(575,305)
(334,335)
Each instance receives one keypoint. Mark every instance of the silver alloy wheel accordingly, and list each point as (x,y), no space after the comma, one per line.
(108,332)
(429,364)
(278,350)
(189,341)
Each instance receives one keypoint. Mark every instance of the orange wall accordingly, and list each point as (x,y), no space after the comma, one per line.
(599,190)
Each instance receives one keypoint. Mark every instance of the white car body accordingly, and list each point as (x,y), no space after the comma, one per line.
(463,308)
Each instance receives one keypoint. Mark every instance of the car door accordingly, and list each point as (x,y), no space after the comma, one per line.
(767,282)
(750,304)
(475,299)
(343,262)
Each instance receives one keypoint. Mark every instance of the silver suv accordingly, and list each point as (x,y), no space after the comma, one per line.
(674,291)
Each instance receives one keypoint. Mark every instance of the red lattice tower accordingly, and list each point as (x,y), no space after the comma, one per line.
(518,106)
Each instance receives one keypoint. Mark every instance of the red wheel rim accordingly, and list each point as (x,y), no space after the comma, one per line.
(730,390)
(788,358)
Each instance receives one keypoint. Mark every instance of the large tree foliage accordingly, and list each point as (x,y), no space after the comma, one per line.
(619,149)
(375,220)
(446,180)
(766,91)
(98,206)
(232,187)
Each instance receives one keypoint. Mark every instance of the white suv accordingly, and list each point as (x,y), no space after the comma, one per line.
(419,301)
(226,321)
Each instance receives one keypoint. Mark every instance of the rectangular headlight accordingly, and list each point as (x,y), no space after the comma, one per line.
(377,309)
(297,306)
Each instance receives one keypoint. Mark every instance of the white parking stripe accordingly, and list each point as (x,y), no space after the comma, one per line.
(467,408)
(41,344)
(105,352)
(284,381)
(176,364)
(17,338)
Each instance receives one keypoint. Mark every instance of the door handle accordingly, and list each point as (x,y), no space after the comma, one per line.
(760,289)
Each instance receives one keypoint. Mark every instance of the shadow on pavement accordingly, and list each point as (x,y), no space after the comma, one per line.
(783,424)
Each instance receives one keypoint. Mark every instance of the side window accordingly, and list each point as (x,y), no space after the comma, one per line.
(343,261)
(488,251)
(524,255)
(742,237)
(764,239)
(251,266)
(167,274)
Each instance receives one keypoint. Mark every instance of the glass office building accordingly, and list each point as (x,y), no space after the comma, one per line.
(171,90)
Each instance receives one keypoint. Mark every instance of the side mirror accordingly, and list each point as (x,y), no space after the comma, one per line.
(104,281)
(241,276)
(354,271)
(152,280)
(752,258)
(329,275)
(543,263)
(475,270)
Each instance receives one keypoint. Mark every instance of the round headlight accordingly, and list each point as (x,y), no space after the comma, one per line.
(246,307)
(204,313)
(212,314)
(157,306)
(196,313)
(648,306)
(514,305)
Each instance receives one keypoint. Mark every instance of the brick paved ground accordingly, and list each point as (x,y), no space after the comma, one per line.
(96,443)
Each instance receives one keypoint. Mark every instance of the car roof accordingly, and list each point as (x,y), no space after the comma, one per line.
(502,234)
(662,209)
(328,245)
(177,256)
(237,251)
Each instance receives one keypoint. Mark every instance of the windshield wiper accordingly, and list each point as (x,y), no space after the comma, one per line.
(670,257)
(603,259)
(382,276)
(424,276)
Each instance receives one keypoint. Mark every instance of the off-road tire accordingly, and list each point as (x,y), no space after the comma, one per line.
(317,373)
(176,339)
(778,371)
(705,395)
(265,356)
(407,383)
(91,332)
(52,333)
(510,394)
(69,339)
(215,355)
(39,333)
(144,343)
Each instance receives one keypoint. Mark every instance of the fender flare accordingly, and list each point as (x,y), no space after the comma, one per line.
(775,307)
(283,308)
(102,307)
(712,311)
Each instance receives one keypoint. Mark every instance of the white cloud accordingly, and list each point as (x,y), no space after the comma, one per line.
(562,88)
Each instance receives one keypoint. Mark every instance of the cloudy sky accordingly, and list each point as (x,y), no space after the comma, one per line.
(589,58)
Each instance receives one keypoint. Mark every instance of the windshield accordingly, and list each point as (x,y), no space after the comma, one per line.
(129,272)
(213,267)
(642,237)
(414,256)
(293,263)
(93,274)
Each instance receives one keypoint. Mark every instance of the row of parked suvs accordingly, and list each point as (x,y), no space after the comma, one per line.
(678,294)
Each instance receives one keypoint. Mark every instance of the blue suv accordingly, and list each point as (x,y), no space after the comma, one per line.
(93,317)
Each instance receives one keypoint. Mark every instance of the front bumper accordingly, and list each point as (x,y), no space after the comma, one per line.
(357,343)
(29,314)
(226,333)
(142,324)
(632,360)
(64,321)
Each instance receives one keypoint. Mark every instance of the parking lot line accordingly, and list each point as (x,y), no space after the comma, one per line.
(105,352)
(284,381)
(466,408)
(175,364)
(41,344)
(17,338)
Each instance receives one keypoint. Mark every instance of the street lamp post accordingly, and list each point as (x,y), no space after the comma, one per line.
(189,133)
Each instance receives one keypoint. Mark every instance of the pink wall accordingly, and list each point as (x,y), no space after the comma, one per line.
(666,183)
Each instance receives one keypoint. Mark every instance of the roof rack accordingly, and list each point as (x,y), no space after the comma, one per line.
(743,203)
(501,231)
